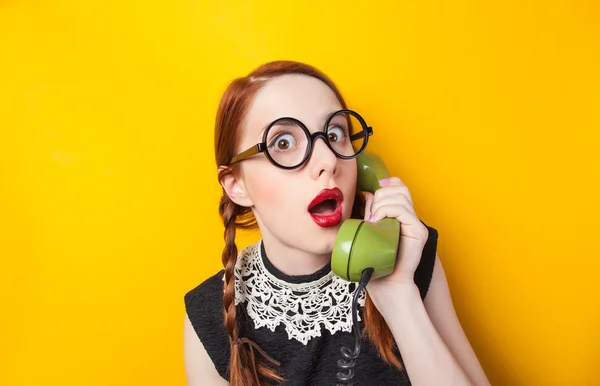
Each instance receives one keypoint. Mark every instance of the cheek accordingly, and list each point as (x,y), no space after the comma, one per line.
(270,190)
(348,186)
(349,174)
(268,196)
(264,189)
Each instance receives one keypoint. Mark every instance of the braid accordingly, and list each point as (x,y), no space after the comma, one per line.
(241,364)
(227,210)
(379,333)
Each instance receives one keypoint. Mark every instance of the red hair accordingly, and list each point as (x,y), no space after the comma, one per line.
(231,112)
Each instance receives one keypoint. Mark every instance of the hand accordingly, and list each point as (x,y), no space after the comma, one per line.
(393,200)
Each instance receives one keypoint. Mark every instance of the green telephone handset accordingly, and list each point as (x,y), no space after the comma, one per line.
(361,244)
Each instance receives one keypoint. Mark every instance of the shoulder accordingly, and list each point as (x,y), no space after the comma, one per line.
(209,289)
(204,308)
(204,303)
(424,271)
(209,294)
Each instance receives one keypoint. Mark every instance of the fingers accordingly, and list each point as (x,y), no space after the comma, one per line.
(368,204)
(390,201)
(403,214)
(392,181)
(393,191)
(398,211)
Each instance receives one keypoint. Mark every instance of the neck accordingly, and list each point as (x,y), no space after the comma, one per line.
(293,261)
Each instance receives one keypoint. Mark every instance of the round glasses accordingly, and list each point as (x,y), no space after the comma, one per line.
(288,144)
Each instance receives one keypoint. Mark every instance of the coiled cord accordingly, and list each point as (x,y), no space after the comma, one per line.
(348,361)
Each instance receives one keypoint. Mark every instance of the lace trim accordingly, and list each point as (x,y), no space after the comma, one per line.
(303,308)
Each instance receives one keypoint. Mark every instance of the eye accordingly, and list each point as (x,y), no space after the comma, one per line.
(283,142)
(336,134)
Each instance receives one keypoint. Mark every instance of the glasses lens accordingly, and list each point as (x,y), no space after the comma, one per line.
(346,134)
(287,143)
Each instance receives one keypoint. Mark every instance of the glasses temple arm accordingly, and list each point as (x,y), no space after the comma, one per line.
(360,135)
(258,148)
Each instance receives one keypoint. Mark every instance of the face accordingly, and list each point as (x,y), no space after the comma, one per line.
(283,201)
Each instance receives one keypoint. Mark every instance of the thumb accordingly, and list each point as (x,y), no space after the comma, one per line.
(368,203)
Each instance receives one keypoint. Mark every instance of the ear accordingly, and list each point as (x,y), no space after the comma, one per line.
(235,188)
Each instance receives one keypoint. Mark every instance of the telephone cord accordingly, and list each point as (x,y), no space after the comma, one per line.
(348,361)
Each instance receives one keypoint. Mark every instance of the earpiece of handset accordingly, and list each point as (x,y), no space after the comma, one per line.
(371,170)
(361,244)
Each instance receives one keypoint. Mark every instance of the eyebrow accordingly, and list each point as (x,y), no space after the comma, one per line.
(282,122)
(286,122)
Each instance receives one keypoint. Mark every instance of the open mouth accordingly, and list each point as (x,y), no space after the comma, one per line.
(326,208)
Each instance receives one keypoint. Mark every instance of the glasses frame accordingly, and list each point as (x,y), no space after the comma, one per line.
(261,147)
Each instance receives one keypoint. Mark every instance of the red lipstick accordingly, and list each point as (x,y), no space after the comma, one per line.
(326,208)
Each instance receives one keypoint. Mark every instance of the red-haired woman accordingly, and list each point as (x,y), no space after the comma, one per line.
(277,313)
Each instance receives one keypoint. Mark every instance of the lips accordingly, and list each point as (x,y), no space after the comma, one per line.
(326,208)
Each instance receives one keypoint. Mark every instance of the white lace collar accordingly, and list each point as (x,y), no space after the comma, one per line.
(303,308)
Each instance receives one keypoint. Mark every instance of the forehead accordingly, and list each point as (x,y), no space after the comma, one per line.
(298,96)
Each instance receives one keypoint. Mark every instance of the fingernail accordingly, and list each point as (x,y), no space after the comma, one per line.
(371,218)
(371,207)
(383,182)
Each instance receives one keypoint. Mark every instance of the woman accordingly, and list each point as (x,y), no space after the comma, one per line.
(277,313)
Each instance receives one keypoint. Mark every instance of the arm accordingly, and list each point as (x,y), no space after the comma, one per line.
(427,359)
(438,304)
(434,348)
(433,344)
(198,366)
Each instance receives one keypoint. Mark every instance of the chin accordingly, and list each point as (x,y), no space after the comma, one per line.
(324,241)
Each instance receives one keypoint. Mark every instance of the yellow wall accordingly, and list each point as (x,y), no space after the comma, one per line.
(108,197)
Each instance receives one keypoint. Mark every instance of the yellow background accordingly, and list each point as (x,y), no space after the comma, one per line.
(489,111)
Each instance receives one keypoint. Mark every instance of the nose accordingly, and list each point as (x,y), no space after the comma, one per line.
(322,160)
